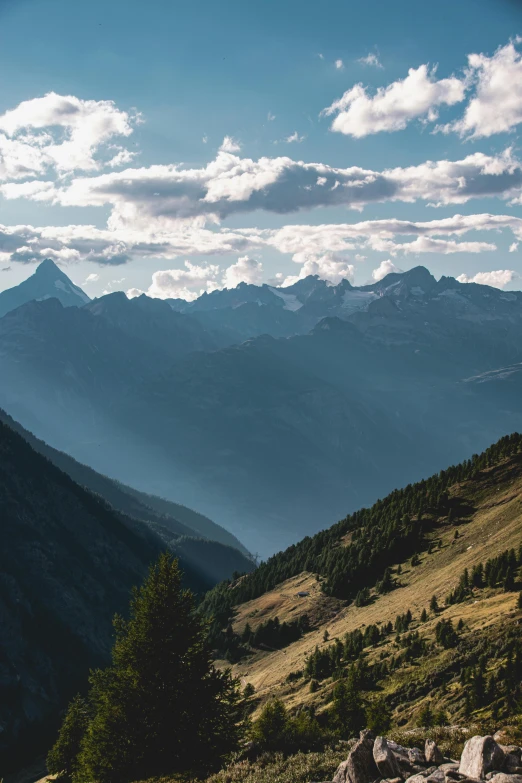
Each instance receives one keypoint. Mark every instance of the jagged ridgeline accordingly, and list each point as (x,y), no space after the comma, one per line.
(355,553)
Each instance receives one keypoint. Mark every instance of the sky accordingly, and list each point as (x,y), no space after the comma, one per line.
(178,147)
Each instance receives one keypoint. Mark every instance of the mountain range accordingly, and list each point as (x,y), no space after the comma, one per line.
(270,410)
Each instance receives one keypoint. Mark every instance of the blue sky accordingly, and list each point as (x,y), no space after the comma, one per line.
(100,102)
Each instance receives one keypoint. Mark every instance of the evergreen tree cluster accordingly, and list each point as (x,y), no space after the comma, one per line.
(499,571)
(390,531)
(274,634)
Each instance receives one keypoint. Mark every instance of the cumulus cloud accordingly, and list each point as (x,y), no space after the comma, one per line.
(330,267)
(92,278)
(359,114)
(339,65)
(497,103)
(384,268)
(371,59)
(187,283)
(230,145)
(245,270)
(60,132)
(498,278)
(160,196)
(513,247)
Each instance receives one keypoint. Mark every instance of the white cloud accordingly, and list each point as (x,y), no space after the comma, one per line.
(270,117)
(384,268)
(371,59)
(498,278)
(330,267)
(429,245)
(187,283)
(245,270)
(359,114)
(92,278)
(497,104)
(294,137)
(110,247)
(339,65)
(158,197)
(205,139)
(230,145)
(513,247)
(58,131)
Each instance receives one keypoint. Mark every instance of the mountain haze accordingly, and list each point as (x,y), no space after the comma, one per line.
(356,391)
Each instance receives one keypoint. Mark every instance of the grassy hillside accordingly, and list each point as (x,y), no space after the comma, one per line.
(478,518)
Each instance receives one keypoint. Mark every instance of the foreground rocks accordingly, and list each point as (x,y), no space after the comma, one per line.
(376,759)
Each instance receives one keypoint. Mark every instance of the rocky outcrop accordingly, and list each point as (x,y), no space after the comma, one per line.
(360,766)
(432,753)
(376,759)
(384,759)
(480,756)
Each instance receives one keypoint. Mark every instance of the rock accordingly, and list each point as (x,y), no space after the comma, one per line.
(360,766)
(511,759)
(432,753)
(480,756)
(384,759)
(416,779)
(501,777)
(452,774)
(436,777)
(416,756)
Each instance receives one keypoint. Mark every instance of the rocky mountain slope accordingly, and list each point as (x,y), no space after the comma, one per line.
(68,562)
(48,282)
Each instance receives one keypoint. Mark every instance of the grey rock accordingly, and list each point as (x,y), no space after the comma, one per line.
(419,778)
(502,777)
(436,777)
(360,766)
(384,759)
(432,753)
(480,756)
(416,756)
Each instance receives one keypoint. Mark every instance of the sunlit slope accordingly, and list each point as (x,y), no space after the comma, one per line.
(492,523)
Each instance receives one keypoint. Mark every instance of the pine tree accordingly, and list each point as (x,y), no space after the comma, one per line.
(62,760)
(424,616)
(271,729)
(434,606)
(161,707)
(347,708)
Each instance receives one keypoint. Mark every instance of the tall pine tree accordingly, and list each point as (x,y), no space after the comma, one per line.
(161,707)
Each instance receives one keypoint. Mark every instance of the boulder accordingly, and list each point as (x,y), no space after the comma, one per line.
(480,756)
(437,776)
(416,779)
(384,759)
(432,752)
(416,756)
(360,766)
(502,777)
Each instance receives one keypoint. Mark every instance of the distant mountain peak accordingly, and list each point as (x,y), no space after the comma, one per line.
(47,282)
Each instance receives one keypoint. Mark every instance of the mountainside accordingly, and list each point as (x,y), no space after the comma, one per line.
(276,435)
(68,562)
(419,594)
(48,282)
(178,520)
